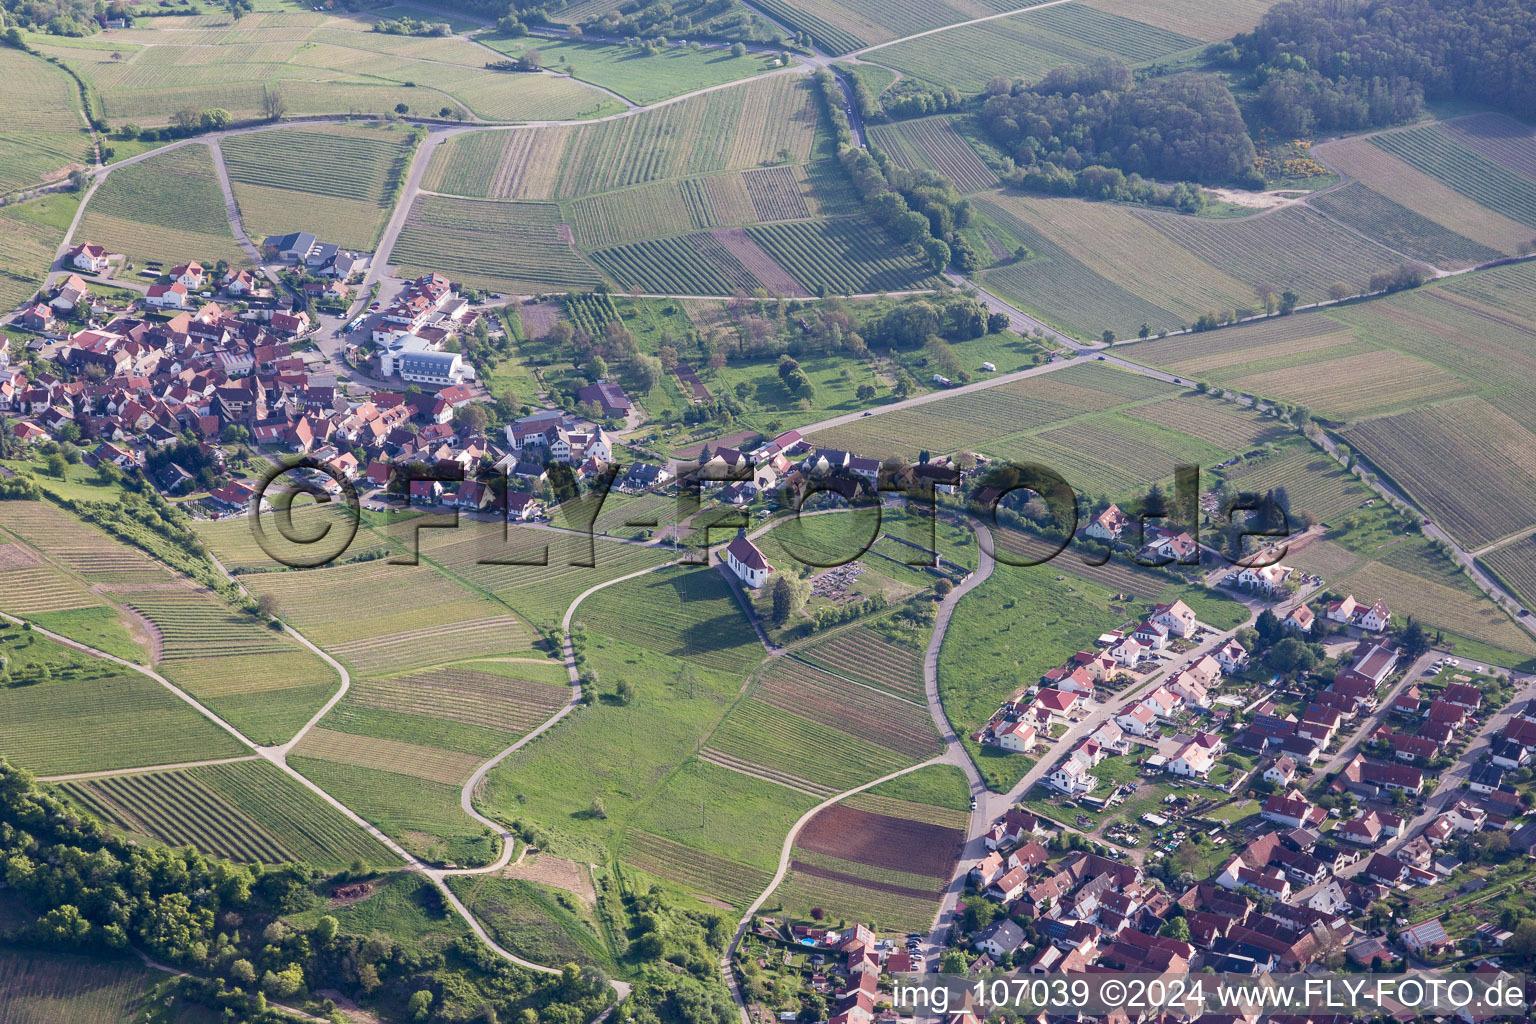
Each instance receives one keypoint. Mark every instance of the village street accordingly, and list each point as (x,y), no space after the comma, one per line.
(1450,789)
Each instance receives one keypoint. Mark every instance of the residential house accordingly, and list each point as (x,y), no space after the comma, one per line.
(1388,871)
(1232,656)
(1016,736)
(1059,703)
(1163,701)
(190,275)
(167,296)
(1137,719)
(90,258)
(1299,620)
(1192,760)
(1178,617)
(1173,547)
(36,317)
(1267,579)
(1463,695)
(1280,772)
(1485,778)
(70,294)
(1127,652)
(1375,618)
(1109,524)
(999,938)
(1071,777)
(1292,809)
(1151,635)
(1426,938)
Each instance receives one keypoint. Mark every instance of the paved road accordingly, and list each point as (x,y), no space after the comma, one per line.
(783,869)
(1019,320)
(233,208)
(1370,723)
(937,396)
(1449,790)
(955,752)
(1495,590)
(277,755)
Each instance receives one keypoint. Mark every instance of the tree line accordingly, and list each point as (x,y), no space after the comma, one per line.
(1094,130)
(1336,65)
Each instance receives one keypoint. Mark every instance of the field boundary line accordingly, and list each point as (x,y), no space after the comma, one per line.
(958,24)
(231,206)
(784,857)
(436,875)
(855,682)
(114,773)
(151,673)
(1503,542)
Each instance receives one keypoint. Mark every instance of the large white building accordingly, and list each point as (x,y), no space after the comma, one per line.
(415,361)
(746,561)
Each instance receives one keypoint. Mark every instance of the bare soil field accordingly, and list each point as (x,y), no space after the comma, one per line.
(883,842)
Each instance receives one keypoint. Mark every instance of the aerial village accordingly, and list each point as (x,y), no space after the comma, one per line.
(1308,790)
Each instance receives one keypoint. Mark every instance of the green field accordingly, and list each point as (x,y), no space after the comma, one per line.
(690,265)
(44,133)
(723,813)
(697,871)
(90,723)
(404,906)
(535,573)
(1292,248)
(467,238)
(1443,156)
(846,900)
(1058,285)
(1315,482)
(932,142)
(1469,334)
(530,920)
(839,26)
(430,618)
(100,627)
(33,589)
(843,255)
(421,815)
(1028,45)
(864,654)
(1515,566)
(729,129)
(1416,579)
(420,736)
(941,786)
(1371,213)
(984,658)
(826,697)
(1468,465)
(659,208)
(61,988)
(685,612)
(30,234)
(336,182)
(234,541)
(759,739)
(611,752)
(626,70)
(245,811)
(167,208)
(317,64)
